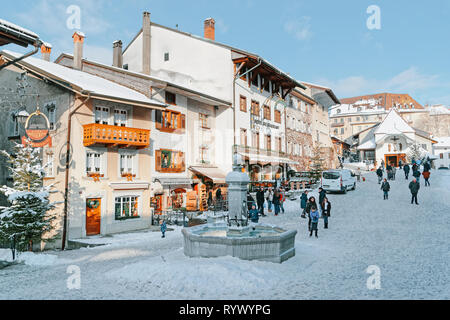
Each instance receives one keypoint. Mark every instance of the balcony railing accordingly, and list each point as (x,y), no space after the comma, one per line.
(263,152)
(110,136)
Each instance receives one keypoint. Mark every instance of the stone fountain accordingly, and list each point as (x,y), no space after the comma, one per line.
(237,237)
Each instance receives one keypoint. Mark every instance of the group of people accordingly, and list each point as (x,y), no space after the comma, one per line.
(414,185)
(311,208)
(275,199)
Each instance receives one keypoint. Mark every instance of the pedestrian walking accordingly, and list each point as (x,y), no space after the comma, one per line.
(414,187)
(426,176)
(254,214)
(326,212)
(394,171)
(270,200)
(303,202)
(322,194)
(426,166)
(389,172)
(382,164)
(282,198)
(276,201)
(314,214)
(386,188)
(406,169)
(358,174)
(210,198)
(260,200)
(163,228)
(400,164)
(380,174)
(311,205)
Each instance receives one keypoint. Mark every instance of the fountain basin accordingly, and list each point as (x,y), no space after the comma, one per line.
(262,242)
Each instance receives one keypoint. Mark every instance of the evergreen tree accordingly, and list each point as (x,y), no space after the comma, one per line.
(415,153)
(317,163)
(27,218)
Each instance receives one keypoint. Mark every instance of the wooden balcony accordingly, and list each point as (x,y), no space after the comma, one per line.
(113,136)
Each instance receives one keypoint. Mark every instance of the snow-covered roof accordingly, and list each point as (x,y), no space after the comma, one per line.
(393,124)
(438,109)
(368,145)
(354,109)
(82,82)
(443,142)
(16,28)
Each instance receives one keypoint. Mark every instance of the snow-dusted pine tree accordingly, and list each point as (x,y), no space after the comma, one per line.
(317,162)
(415,153)
(28,217)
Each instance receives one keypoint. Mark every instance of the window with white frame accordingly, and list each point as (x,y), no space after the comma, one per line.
(127,164)
(94,163)
(126,207)
(49,167)
(120,117)
(101,115)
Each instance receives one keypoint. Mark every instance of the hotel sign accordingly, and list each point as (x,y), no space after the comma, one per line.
(37,130)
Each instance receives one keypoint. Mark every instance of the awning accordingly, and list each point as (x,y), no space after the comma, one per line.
(169,182)
(213,173)
(255,158)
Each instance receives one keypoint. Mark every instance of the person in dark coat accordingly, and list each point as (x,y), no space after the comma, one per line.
(380,174)
(314,215)
(389,171)
(210,198)
(400,164)
(326,213)
(426,167)
(254,214)
(260,200)
(219,195)
(426,176)
(414,187)
(276,201)
(311,205)
(414,166)
(386,188)
(406,169)
(322,195)
(303,202)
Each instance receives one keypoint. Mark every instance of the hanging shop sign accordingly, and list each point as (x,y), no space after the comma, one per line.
(37,130)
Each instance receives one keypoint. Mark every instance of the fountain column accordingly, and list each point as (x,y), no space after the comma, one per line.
(237,199)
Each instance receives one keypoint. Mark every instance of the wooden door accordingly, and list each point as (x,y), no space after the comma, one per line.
(93,216)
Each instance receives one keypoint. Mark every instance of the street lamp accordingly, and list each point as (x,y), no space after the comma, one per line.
(22,117)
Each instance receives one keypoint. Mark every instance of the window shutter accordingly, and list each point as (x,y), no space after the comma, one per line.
(182,164)
(158,160)
(183,122)
(158,119)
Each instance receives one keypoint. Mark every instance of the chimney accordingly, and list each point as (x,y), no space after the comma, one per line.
(46,50)
(78,41)
(209,31)
(146,43)
(117,54)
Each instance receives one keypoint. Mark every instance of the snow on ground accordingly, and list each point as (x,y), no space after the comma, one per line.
(408,243)
(30,258)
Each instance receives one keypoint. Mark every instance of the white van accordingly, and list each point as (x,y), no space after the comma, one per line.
(338,180)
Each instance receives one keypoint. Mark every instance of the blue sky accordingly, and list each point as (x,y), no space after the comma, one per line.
(325,42)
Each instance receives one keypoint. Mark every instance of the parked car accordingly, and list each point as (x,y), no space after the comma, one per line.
(338,180)
(443,168)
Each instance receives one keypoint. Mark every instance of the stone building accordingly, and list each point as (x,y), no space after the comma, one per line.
(299,129)
(106,127)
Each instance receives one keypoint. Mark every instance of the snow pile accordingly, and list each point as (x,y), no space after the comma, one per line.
(29,258)
(177,275)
